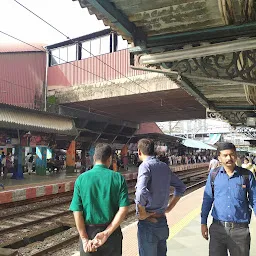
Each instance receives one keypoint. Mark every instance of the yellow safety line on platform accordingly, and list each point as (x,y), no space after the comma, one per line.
(175,229)
(252,230)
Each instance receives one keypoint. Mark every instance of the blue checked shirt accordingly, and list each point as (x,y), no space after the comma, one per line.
(153,185)
(230,201)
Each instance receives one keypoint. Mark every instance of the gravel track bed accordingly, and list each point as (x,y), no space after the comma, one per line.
(70,249)
(38,246)
(28,230)
(28,217)
(33,206)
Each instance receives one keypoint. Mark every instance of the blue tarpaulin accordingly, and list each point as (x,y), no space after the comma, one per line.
(213,138)
(196,144)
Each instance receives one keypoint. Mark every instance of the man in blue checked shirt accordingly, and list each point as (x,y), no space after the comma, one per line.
(152,200)
(232,192)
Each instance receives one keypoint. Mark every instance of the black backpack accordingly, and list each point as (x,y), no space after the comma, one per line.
(30,159)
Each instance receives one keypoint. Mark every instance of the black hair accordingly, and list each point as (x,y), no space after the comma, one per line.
(102,152)
(224,146)
(147,147)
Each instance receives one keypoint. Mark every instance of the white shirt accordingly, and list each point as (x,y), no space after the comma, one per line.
(27,158)
(213,163)
(4,161)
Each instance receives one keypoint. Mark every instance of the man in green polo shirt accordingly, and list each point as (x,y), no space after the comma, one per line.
(100,203)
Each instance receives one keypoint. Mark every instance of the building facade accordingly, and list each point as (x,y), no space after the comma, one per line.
(23,76)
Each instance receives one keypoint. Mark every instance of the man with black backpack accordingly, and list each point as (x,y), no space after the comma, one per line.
(232,192)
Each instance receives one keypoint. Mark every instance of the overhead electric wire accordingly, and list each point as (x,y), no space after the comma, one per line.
(67,37)
(140,95)
(17,84)
(66,62)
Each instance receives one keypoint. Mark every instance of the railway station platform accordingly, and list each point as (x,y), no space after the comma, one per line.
(33,186)
(185,230)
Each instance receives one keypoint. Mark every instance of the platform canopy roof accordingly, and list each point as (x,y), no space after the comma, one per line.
(12,117)
(209,45)
(165,138)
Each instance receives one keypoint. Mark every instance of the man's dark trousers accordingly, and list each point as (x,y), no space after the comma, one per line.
(235,240)
(112,247)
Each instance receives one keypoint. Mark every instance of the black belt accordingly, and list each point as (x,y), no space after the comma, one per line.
(158,215)
(97,225)
(231,224)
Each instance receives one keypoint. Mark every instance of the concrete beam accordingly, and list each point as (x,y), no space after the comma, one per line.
(145,83)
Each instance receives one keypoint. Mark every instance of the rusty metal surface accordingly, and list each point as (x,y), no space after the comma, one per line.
(22,76)
(92,70)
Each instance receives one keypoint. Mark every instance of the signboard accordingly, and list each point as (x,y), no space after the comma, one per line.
(33,141)
(24,141)
(15,141)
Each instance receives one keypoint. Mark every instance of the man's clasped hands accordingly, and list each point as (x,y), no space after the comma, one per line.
(96,242)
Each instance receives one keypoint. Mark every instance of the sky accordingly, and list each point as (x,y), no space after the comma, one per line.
(65,15)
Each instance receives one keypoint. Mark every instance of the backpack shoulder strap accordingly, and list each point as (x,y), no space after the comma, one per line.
(213,174)
(246,178)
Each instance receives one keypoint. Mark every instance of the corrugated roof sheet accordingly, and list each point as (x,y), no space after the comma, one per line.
(20,118)
(114,66)
(10,48)
(163,17)
(22,78)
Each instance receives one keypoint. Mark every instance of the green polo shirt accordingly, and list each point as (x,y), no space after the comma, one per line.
(99,193)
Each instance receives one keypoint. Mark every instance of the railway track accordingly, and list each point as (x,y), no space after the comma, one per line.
(33,217)
(75,237)
(30,208)
(10,225)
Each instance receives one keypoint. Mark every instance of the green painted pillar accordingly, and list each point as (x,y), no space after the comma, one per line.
(41,160)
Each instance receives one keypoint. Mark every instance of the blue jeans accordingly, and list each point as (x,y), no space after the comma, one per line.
(152,237)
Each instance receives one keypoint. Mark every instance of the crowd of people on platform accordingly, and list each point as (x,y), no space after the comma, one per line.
(246,161)
(174,159)
(131,160)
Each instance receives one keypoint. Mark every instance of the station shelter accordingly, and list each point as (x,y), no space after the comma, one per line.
(25,131)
